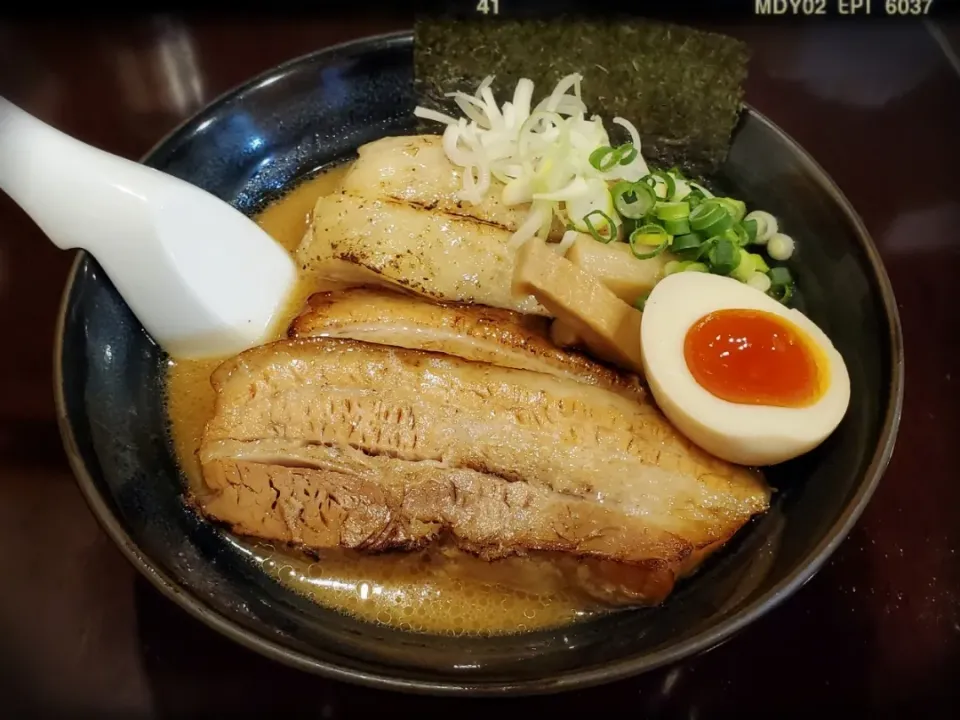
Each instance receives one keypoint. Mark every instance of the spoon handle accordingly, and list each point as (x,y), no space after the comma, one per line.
(73,191)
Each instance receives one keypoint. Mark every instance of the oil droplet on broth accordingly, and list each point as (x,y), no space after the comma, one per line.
(419,592)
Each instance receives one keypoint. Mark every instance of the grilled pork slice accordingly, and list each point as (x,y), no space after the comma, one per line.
(382,503)
(472,332)
(325,498)
(329,442)
(426,252)
(414,169)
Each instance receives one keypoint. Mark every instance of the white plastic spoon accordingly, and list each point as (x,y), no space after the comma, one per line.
(202,278)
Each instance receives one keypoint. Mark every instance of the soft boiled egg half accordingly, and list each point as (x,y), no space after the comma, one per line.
(742,376)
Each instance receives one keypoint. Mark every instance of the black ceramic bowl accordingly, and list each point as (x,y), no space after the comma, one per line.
(254,143)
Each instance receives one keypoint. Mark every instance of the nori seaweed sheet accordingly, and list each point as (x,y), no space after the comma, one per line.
(681,87)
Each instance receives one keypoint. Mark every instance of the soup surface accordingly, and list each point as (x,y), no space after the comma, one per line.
(437,591)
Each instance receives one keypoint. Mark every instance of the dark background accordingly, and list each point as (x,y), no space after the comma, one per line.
(876,633)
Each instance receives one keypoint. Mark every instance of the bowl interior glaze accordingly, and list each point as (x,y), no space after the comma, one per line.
(250,146)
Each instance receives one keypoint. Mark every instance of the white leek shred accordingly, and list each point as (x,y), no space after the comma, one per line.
(540,153)
(569,237)
(703,191)
(638,168)
(539,213)
(428,114)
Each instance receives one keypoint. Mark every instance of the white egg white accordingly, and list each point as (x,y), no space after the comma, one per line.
(739,433)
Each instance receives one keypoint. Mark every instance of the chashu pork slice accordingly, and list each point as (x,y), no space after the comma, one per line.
(414,169)
(328,442)
(364,241)
(471,332)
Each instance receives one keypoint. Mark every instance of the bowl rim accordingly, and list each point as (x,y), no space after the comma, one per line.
(196,605)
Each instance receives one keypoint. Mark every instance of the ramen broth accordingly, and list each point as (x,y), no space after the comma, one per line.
(437,590)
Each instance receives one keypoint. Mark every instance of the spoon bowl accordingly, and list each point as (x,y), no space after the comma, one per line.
(202,278)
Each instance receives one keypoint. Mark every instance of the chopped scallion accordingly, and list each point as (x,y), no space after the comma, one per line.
(723,256)
(628,153)
(760,281)
(701,189)
(646,237)
(599,158)
(608,225)
(745,268)
(606,158)
(677,227)
(672,210)
(780,246)
(736,208)
(766,225)
(759,263)
(737,234)
(781,293)
(633,200)
(705,215)
(670,184)
(716,222)
(687,245)
(781,284)
(780,276)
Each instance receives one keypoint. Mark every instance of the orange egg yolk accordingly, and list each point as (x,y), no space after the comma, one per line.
(753,357)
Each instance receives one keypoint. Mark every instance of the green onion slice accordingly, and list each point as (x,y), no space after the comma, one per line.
(689,246)
(780,276)
(650,218)
(640,255)
(641,302)
(681,187)
(723,256)
(737,234)
(672,210)
(591,228)
(715,219)
(759,263)
(628,153)
(646,237)
(671,186)
(649,234)
(745,267)
(781,293)
(633,200)
(677,227)
(781,284)
(704,215)
(687,241)
(736,208)
(606,158)
(750,227)
(702,190)
(598,158)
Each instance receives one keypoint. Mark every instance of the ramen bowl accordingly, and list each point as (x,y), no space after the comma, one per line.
(249,147)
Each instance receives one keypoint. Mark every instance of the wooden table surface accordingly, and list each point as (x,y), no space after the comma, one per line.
(876,632)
